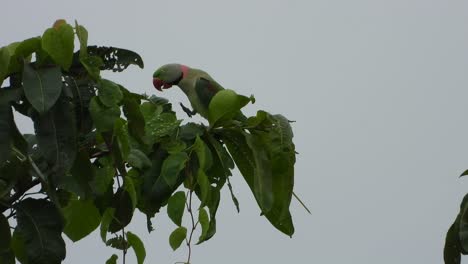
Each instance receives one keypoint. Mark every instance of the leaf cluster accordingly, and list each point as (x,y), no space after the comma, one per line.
(100,152)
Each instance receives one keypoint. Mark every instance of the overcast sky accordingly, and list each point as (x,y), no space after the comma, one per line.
(379,90)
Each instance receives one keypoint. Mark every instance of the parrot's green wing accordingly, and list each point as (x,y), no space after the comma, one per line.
(205,90)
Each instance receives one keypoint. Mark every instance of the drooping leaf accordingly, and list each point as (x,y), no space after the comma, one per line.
(105,222)
(177,237)
(138,159)
(129,187)
(103,117)
(204,184)
(225,105)
(137,246)
(103,179)
(112,259)
(6,120)
(123,204)
(204,222)
(82,174)
(5,235)
(176,207)
(121,133)
(452,248)
(19,247)
(40,225)
(81,218)
(42,87)
(58,43)
(56,136)
(171,167)
(136,121)
(22,53)
(109,93)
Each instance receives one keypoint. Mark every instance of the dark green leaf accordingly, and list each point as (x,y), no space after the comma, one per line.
(118,242)
(109,93)
(225,105)
(452,253)
(42,87)
(203,153)
(204,185)
(137,246)
(19,247)
(5,235)
(204,222)
(92,64)
(40,224)
(105,222)
(123,204)
(4,63)
(177,237)
(464,173)
(176,207)
(58,43)
(103,179)
(115,59)
(56,136)
(172,166)
(6,121)
(138,159)
(129,187)
(112,259)
(82,174)
(136,121)
(190,131)
(103,117)
(120,128)
(82,218)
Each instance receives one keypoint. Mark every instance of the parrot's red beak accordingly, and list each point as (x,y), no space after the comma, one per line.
(160,84)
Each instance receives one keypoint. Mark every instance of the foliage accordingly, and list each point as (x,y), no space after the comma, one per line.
(100,153)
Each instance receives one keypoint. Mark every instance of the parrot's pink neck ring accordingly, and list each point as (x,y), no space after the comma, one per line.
(185,70)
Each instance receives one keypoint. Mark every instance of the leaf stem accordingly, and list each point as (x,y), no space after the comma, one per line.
(303,205)
(194,226)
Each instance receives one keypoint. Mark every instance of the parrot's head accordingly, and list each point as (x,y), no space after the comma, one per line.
(168,75)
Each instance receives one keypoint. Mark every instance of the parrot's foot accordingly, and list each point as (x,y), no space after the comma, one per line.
(187,110)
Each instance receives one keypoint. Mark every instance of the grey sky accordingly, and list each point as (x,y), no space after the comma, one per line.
(379,92)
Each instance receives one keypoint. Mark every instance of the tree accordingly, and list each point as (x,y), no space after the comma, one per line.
(100,153)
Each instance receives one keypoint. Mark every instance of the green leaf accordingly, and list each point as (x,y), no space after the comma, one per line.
(120,128)
(129,187)
(136,121)
(41,225)
(82,35)
(92,65)
(137,246)
(263,185)
(205,187)
(22,53)
(115,59)
(58,43)
(205,224)
(118,242)
(112,259)
(103,179)
(103,117)
(123,204)
(4,63)
(81,218)
(42,87)
(160,125)
(138,159)
(19,247)
(82,173)
(172,166)
(5,235)
(56,136)
(177,237)
(176,207)
(6,120)
(109,93)
(105,222)
(203,153)
(225,105)
(464,173)
(190,131)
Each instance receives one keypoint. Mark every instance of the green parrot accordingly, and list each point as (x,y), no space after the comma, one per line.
(196,84)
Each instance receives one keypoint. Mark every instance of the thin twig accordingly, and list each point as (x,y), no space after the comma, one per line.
(303,205)
(124,249)
(194,226)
